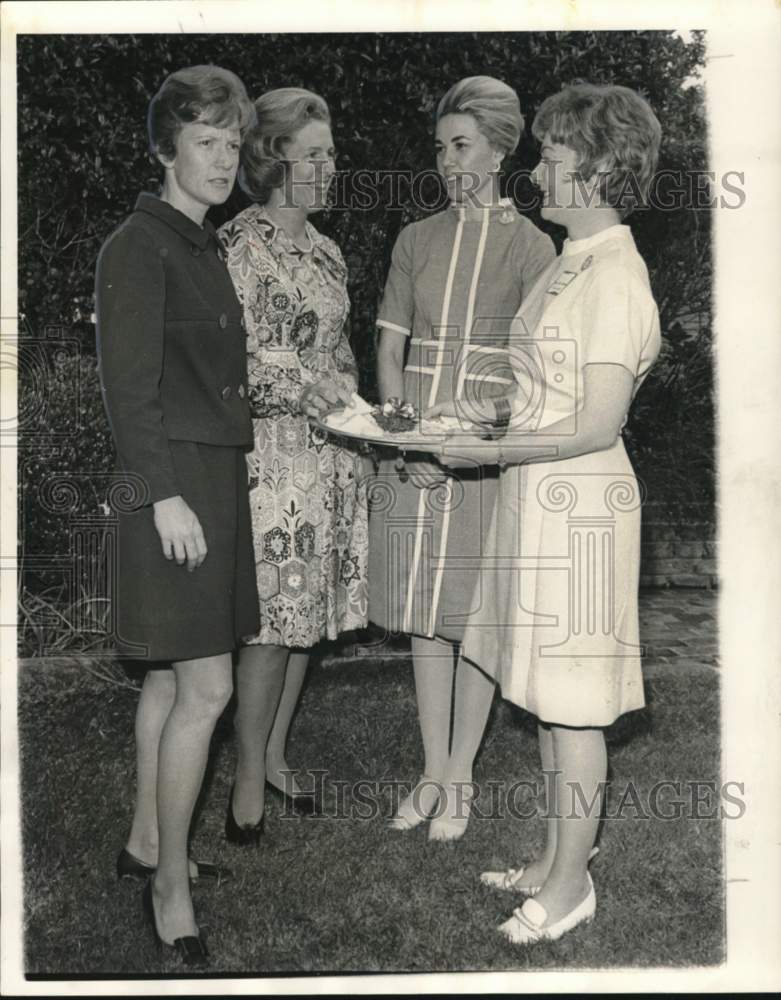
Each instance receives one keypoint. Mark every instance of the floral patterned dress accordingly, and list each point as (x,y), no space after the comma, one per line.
(307,495)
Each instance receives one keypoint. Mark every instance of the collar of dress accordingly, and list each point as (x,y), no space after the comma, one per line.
(178,221)
(504,205)
(279,242)
(619,231)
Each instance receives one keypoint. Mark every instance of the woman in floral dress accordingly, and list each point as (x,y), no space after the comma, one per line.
(307,497)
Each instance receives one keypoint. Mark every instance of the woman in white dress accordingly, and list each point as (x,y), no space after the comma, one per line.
(557,625)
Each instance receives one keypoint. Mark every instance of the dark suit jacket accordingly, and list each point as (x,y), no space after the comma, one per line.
(171,342)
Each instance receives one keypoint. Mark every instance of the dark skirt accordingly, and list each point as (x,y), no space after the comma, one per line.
(164,612)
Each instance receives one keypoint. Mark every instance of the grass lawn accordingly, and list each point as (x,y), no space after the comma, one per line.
(341,894)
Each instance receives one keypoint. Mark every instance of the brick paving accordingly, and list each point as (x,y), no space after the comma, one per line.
(678,628)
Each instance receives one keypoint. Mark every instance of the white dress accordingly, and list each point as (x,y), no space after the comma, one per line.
(554,614)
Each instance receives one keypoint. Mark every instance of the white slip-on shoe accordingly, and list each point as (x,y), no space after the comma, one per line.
(409,813)
(446,827)
(527,925)
(508,880)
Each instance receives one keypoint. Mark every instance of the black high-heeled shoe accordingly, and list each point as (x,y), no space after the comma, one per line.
(129,866)
(302,804)
(242,836)
(191,948)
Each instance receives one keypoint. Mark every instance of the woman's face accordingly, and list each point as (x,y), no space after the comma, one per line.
(557,177)
(310,155)
(466,160)
(204,169)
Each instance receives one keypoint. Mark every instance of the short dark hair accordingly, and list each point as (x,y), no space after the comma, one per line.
(205,94)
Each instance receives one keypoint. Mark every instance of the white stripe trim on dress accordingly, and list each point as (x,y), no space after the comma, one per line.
(470,311)
(406,625)
(431,400)
(393,326)
(488,378)
(485,350)
(441,561)
(470,305)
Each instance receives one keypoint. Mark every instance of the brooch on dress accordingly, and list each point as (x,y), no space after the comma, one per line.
(587,263)
(506,216)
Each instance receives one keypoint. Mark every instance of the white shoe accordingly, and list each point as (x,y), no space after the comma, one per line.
(527,925)
(508,880)
(446,827)
(409,814)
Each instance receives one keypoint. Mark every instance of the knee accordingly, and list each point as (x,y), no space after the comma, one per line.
(207,697)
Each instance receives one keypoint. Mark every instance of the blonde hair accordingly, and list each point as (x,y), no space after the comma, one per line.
(280,115)
(613,130)
(207,94)
(493,105)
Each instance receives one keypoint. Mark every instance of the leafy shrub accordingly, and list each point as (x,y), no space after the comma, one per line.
(83,159)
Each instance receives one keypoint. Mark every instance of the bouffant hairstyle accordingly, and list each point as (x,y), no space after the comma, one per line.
(614,132)
(494,107)
(205,94)
(280,114)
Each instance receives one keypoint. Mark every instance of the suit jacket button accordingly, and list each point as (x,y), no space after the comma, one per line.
(226,392)
(223,321)
(195,251)
(241,392)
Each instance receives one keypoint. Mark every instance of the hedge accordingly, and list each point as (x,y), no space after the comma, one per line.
(83,159)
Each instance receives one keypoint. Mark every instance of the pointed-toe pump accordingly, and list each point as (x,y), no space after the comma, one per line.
(191,948)
(131,867)
(242,836)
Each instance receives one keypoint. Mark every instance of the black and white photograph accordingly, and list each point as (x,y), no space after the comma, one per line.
(390,498)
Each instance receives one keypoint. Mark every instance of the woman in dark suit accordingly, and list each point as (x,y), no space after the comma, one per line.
(172,358)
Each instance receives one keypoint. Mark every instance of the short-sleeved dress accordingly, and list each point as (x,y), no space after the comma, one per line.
(557,624)
(455,284)
(307,496)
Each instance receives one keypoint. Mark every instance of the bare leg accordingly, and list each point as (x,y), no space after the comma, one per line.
(581,760)
(432,662)
(154,705)
(203,689)
(276,760)
(474,695)
(260,678)
(536,872)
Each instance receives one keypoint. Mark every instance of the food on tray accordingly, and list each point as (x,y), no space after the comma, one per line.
(396,415)
(357,418)
(395,418)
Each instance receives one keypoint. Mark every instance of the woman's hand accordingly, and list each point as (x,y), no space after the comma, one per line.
(180,532)
(322,397)
(425,474)
(448,409)
(461,451)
